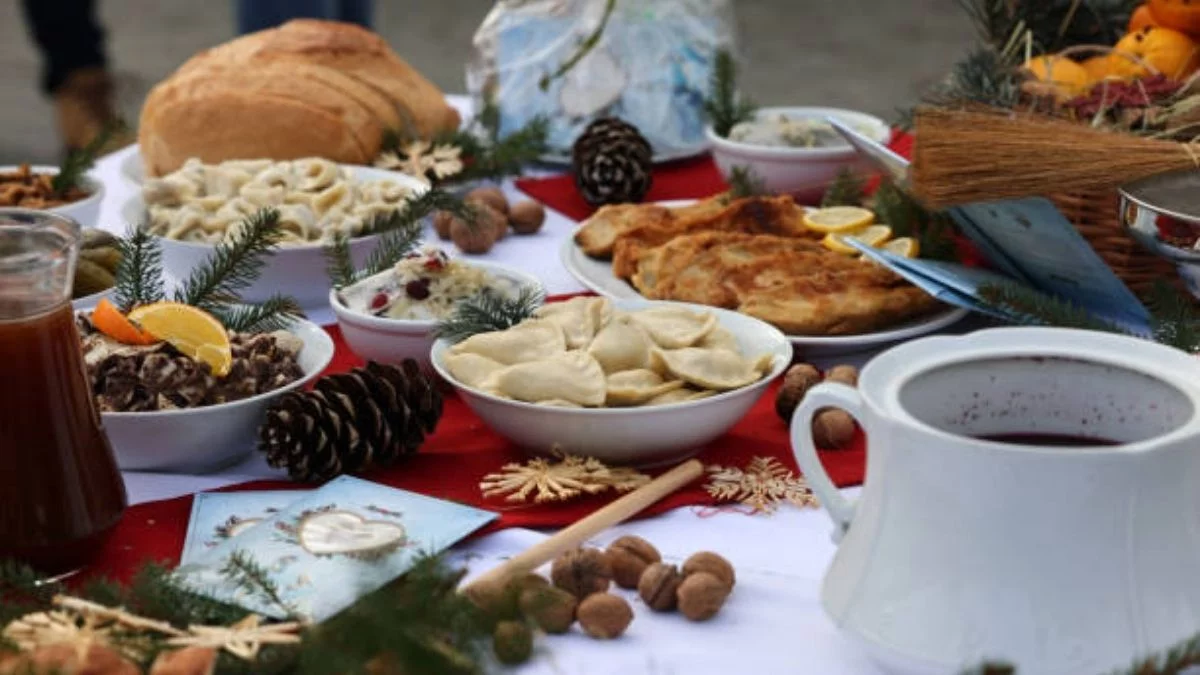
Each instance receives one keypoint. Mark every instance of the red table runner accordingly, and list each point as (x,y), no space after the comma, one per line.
(463,450)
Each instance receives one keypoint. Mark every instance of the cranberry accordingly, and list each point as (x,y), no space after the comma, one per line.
(436,262)
(379,301)
(418,289)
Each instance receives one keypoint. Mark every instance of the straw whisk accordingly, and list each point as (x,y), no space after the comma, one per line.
(980,155)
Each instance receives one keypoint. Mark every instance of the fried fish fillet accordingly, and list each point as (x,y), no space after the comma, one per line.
(795,284)
(598,234)
(778,216)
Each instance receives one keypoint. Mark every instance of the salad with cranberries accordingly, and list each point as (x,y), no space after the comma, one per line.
(423,286)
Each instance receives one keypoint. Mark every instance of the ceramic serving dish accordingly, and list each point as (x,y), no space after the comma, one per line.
(644,436)
(801,172)
(295,271)
(387,340)
(200,440)
(86,211)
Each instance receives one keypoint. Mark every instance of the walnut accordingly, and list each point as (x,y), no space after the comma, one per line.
(707,561)
(582,572)
(628,556)
(489,218)
(489,196)
(186,661)
(701,596)
(441,224)
(473,239)
(658,585)
(847,375)
(527,217)
(527,581)
(513,642)
(552,609)
(604,616)
(796,382)
(833,429)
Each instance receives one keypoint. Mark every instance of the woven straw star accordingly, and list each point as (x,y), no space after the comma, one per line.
(243,639)
(564,479)
(763,485)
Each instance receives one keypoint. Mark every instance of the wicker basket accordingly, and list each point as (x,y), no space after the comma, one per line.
(1096,215)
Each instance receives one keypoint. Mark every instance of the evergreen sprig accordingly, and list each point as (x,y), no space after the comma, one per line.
(724,106)
(485,156)
(908,218)
(743,183)
(244,572)
(1031,307)
(277,312)
(139,274)
(234,264)
(489,311)
(847,189)
(1052,24)
(1174,319)
(78,162)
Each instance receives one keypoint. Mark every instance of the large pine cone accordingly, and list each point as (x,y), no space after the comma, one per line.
(612,163)
(351,421)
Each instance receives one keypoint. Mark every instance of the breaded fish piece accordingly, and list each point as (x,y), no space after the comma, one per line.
(778,216)
(597,234)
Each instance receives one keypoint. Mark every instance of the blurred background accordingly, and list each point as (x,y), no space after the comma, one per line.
(872,55)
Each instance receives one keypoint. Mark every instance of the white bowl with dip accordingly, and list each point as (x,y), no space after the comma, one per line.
(84,211)
(388,340)
(804,172)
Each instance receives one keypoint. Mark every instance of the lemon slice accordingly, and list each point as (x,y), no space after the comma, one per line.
(905,246)
(840,219)
(192,331)
(871,236)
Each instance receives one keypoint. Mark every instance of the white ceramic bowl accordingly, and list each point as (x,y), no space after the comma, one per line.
(645,436)
(295,271)
(86,211)
(387,340)
(199,440)
(802,172)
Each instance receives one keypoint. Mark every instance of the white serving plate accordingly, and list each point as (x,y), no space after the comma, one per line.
(295,271)
(597,276)
(640,436)
(386,340)
(200,440)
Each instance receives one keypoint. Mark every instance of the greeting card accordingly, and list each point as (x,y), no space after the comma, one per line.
(219,516)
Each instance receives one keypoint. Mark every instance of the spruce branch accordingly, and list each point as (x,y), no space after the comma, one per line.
(234,263)
(154,592)
(489,311)
(338,263)
(78,162)
(1174,319)
(584,48)
(743,183)
(724,106)
(908,218)
(1030,307)
(277,312)
(847,189)
(247,574)
(139,274)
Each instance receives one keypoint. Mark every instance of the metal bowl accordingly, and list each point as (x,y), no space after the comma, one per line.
(1162,212)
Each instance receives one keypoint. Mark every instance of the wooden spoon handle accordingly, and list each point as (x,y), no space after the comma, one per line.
(574,535)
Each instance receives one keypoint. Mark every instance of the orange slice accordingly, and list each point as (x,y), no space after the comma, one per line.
(192,331)
(109,320)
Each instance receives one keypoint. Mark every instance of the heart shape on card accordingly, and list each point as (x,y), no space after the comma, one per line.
(330,533)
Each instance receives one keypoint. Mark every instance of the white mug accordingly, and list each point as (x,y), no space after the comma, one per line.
(970,544)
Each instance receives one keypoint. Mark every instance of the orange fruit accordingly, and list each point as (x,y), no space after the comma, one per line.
(109,320)
(1168,51)
(1142,17)
(1181,15)
(1101,68)
(192,331)
(1060,76)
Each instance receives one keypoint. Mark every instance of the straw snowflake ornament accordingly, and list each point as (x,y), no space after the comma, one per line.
(560,480)
(422,158)
(763,485)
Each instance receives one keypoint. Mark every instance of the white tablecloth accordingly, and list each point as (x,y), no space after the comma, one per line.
(772,624)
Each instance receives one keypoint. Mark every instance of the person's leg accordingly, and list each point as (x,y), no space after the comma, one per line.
(256,15)
(357,11)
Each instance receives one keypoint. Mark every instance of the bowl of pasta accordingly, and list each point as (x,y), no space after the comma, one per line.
(200,205)
(630,382)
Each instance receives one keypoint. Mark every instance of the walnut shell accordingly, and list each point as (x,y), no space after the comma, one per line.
(473,240)
(604,616)
(847,375)
(487,217)
(490,196)
(628,556)
(552,609)
(582,572)
(832,429)
(442,220)
(796,382)
(658,585)
(701,596)
(707,561)
(527,217)
(513,642)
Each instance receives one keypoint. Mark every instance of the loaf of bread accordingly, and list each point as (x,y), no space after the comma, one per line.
(308,88)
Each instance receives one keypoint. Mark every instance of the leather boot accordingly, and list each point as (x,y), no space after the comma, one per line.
(84,105)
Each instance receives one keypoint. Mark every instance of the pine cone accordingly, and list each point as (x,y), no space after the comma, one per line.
(612,163)
(351,421)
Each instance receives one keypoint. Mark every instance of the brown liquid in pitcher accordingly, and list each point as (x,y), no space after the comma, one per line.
(60,492)
(1048,440)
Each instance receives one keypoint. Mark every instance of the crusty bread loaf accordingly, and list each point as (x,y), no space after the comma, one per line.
(306,88)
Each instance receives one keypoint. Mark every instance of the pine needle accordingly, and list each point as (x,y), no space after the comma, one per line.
(847,189)
(489,311)
(79,162)
(277,312)
(724,106)
(1174,321)
(338,263)
(139,274)
(1030,307)
(908,218)
(234,264)
(744,183)
(245,572)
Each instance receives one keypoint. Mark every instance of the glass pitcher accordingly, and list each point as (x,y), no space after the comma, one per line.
(60,491)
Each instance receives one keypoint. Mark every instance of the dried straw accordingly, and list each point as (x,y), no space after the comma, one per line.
(978,155)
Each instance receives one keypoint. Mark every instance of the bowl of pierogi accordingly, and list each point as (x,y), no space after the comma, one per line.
(199,206)
(630,382)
